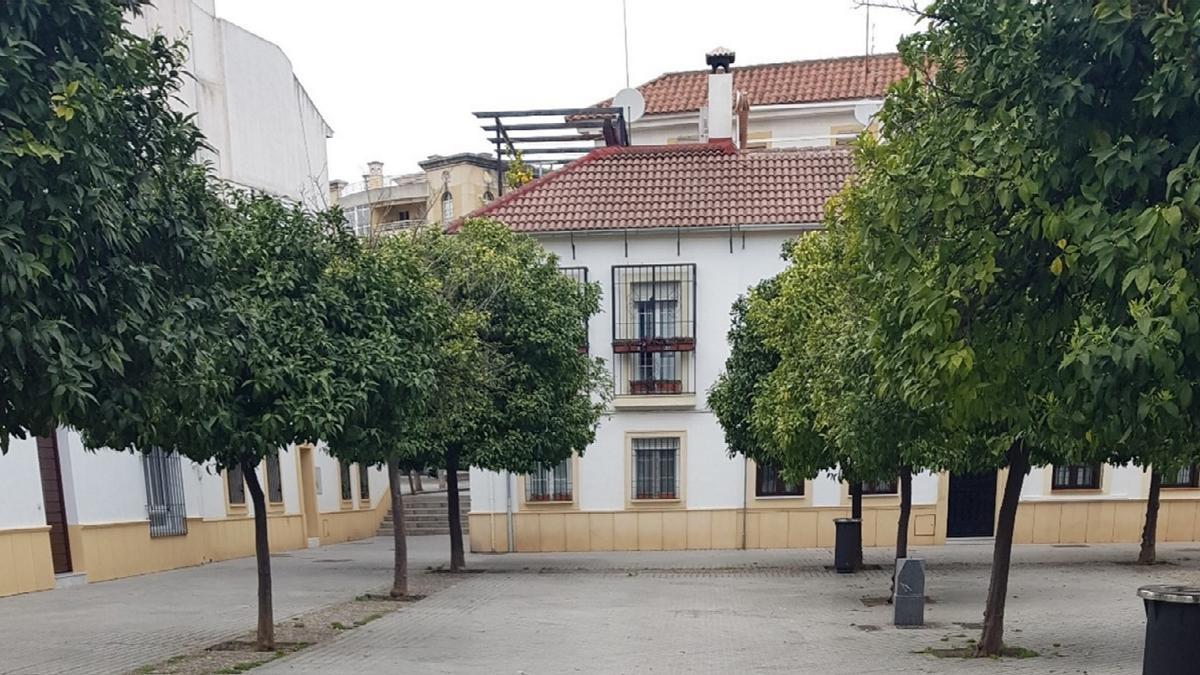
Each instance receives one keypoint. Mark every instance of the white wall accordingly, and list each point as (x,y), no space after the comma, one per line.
(21,503)
(265,132)
(789,126)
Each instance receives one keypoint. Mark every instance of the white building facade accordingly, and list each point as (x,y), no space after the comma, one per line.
(674,229)
(71,514)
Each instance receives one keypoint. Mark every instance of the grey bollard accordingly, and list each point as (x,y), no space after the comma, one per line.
(909,601)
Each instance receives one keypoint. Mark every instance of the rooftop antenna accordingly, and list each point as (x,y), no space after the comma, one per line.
(625,30)
(867,42)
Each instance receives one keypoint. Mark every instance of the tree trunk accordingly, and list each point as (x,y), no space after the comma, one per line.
(902,524)
(399,538)
(457,560)
(265,641)
(1150,532)
(991,642)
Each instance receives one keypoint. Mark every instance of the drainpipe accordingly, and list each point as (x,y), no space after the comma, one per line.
(745,497)
(508,507)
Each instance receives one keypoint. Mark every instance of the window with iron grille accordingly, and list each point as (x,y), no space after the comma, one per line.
(347,491)
(656,468)
(1187,477)
(769,482)
(447,207)
(274,480)
(579,274)
(358,219)
(364,482)
(879,487)
(550,483)
(237,485)
(1076,477)
(654,328)
(164,493)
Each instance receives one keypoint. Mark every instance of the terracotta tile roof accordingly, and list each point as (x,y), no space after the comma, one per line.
(838,79)
(693,185)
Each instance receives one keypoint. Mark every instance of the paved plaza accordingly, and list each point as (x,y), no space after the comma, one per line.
(651,612)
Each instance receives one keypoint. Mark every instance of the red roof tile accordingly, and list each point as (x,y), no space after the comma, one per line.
(693,185)
(838,79)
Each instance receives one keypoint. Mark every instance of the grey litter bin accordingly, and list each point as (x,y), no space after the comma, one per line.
(847,545)
(1172,628)
(908,603)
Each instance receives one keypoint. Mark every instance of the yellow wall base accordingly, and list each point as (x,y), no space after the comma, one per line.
(694,529)
(1104,521)
(351,524)
(25,563)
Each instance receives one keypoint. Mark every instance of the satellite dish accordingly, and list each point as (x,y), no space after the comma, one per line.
(865,112)
(632,102)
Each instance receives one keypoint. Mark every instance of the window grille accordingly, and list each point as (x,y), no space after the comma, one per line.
(1076,477)
(550,484)
(769,482)
(344,476)
(237,485)
(654,328)
(358,219)
(165,504)
(274,480)
(364,482)
(655,468)
(1187,477)
(580,274)
(880,487)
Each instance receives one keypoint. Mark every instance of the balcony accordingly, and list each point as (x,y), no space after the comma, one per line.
(654,335)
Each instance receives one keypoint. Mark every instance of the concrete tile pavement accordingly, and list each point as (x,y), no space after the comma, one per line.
(756,611)
(651,612)
(119,625)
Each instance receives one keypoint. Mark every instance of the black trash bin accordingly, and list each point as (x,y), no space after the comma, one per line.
(847,546)
(1172,626)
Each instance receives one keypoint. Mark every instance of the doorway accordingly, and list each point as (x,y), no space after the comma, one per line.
(308,489)
(972,505)
(55,503)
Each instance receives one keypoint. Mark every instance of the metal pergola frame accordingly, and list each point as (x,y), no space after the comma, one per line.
(577,126)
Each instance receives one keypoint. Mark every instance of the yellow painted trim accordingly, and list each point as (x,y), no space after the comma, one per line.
(347,525)
(344,504)
(837,129)
(655,401)
(680,501)
(25,561)
(572,505)
(783,502)
(1105,481)
(892,499)
(232,509)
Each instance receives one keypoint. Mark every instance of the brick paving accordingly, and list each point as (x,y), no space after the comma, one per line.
(647,612)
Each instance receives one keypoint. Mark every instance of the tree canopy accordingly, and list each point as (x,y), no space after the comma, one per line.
(103,215)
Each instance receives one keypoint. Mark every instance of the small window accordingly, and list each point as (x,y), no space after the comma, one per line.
(347,491)
(550,484)
(1187,477)
(237,485)
(447,207)
(358,219)
(274,480)
(1076,477)
(844,135)
(165,505)
(879,487)
(364,483)
(488,196)
(655,468)
(769,482)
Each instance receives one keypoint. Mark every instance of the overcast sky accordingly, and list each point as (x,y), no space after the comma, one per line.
(397,79)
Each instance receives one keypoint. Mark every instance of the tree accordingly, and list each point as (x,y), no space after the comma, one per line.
(387,429)
(103,214)
(1030,202)
(514,390)
(283,351)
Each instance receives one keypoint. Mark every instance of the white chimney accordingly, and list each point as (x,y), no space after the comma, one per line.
(720,96)
(374,175)
(335,191)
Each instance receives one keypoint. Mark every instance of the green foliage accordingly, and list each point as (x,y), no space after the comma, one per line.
(1028,210)
(513,390)
(103,216)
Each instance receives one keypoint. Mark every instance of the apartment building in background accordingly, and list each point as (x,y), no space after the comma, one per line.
(674,227)
(445,188)
(70,514)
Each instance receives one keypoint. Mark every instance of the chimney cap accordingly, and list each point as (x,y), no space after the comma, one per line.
(338,183)
(721,57)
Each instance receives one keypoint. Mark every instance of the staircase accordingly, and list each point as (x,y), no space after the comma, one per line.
(425,513)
